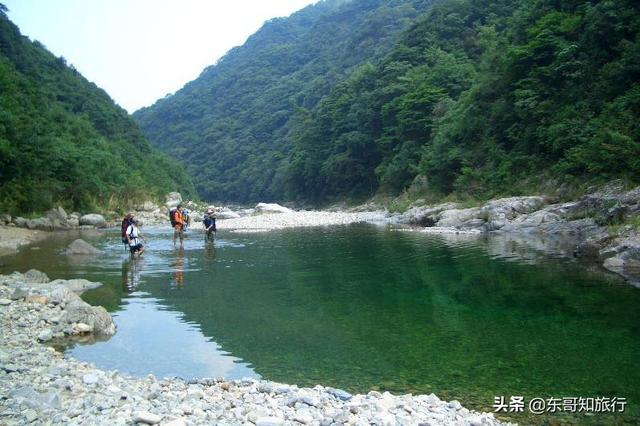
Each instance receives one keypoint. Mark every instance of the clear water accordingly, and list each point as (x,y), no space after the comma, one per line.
(361,308)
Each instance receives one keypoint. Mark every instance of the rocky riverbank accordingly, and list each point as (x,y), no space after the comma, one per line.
(602,225)
(40,386)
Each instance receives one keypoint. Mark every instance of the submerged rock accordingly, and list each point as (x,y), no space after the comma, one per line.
(81,247)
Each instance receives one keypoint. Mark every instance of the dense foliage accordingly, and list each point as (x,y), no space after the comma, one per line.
(477,96)
(63,141)
(231,126)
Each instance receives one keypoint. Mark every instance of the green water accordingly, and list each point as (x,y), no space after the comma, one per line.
(363,308)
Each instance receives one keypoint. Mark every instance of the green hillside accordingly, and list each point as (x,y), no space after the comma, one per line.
(345,100)
(231,126)
(483,97)
(63,141)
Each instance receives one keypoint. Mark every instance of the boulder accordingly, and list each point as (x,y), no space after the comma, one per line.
(425,215)
(227,214)
(62,296)
(530,221)
(456,217)
(5,219)
(73,221)
(271,208)
(96,317)
(41,223)
(57,215)
(35,276)
(501,211)
(81,247)
(173,199)
(96,220)
(20,222)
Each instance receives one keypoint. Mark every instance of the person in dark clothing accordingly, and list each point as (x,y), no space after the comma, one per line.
(126,221)
(209,224)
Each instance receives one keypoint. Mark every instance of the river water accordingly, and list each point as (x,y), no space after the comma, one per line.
(361,307)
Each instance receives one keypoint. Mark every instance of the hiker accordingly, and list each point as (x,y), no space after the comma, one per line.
(177,223)
(134,237)
(209,224)
(186,219)
(126,221)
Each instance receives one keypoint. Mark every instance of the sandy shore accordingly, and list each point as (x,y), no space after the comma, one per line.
(12,238)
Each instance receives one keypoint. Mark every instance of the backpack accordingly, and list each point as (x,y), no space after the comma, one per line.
(125,224)
(172,217)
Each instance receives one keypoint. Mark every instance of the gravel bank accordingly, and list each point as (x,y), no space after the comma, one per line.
(271,221)
(40,386)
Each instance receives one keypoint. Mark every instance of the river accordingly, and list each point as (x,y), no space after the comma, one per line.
(360,307)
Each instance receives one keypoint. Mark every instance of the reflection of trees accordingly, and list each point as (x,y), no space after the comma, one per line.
(405,313)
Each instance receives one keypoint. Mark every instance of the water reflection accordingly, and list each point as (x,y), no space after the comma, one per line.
(131,273)
(178,268)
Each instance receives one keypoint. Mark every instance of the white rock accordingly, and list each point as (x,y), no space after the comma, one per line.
(269,421)
(5,302)
(45,335)
(90,379)
(176,422)
(271,208)
(146,417)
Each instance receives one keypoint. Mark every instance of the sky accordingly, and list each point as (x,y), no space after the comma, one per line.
(141,50)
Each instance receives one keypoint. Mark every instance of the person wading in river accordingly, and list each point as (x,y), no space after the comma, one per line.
(133,238)
(209,224)
(178,224)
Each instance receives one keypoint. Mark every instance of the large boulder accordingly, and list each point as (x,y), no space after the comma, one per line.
(81,247)
(425,215)
(96,317)
(173,199)
(57,215)
(36,277)
(499,212)
(227,214)
(96,220)
(20,222)
(41,223)
(457,217)
(271,208)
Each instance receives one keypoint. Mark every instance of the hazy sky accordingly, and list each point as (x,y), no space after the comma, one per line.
(140,50)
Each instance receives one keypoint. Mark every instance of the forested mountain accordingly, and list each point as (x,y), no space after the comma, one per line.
(483,97)
(231,126)
(63,141)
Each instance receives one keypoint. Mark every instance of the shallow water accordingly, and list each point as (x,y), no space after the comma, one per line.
(360,308)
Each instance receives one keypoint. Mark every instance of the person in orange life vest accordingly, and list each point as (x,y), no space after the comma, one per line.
(178,225)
